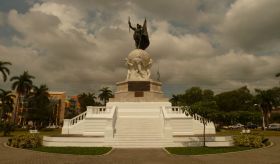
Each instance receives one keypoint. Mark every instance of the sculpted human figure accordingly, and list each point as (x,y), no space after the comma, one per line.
(140,35)
(130,67)
(139,61)
(148,68)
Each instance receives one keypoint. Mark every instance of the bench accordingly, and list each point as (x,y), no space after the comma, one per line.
(33,131)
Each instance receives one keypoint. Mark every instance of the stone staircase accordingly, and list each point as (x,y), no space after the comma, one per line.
(139,133)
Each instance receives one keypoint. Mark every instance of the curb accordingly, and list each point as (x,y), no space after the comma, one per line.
(271,144)
(16,148)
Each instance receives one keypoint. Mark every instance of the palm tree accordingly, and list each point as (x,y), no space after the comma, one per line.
(267,100)
(4,70)
(7,100)
(22,84)
(105,94)
(41,91)
(39,106)
(86,100)
(175,100)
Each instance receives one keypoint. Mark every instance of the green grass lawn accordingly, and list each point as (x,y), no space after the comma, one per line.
(266,133)
(203,150)
(75,150)
(50,132)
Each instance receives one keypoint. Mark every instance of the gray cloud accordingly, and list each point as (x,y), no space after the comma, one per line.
(78,46)
(252,25)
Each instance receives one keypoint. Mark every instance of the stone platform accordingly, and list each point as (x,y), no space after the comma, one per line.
(134,124)
(139,91)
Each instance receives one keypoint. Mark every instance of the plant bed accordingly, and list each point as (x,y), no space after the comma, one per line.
(204,150)
(41,133)
(75,150)
(265,133)
(25,141)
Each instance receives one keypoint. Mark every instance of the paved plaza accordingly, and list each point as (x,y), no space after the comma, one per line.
(269,155)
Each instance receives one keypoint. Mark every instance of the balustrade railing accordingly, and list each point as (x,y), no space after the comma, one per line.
(99,110)
(78,118)
(91,110)
(175,111)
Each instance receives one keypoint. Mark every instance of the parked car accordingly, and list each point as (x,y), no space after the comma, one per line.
(236,126)
(250,125)
(274,126)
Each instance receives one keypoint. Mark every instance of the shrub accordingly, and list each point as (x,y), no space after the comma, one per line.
(250,140)
(25,141)
(7,128)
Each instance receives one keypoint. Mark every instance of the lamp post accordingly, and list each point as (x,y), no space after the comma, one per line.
(263,122)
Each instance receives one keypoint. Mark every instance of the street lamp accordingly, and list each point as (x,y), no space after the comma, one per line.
(263,122)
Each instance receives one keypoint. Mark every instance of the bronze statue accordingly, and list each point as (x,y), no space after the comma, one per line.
(140,35)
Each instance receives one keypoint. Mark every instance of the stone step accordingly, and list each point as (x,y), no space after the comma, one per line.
(137,136)
(138,128)
(135,140)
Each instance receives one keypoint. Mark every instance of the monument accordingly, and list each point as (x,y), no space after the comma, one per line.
(138,86)
(139,115)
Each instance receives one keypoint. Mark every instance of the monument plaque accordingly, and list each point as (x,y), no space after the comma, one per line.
(138,94)
(139,86)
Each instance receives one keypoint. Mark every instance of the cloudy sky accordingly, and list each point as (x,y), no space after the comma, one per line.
(80,46)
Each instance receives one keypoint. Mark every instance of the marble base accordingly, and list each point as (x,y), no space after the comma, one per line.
(139,91)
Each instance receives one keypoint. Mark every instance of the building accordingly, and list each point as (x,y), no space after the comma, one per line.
(58,98)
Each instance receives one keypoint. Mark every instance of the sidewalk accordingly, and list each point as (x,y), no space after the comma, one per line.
(269,155)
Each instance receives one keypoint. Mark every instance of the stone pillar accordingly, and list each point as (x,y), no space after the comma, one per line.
(65,128)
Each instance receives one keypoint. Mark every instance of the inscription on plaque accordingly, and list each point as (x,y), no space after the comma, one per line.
(138,94)
(138,86)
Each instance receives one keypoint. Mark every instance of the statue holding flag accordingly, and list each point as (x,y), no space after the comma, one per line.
(140,35)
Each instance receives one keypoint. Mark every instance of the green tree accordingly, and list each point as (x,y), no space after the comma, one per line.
(7,99)
(175,100)
(39,107)
(104,95)
(22,84)
(236,100)
(4,69)
(208,95)
(192,95)
(267,100)
(86,100)
(205,111)
(195,94)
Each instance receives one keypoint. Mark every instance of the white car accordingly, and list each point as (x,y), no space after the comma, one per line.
(274,126)
(236,126)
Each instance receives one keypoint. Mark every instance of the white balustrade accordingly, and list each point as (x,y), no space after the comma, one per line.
(91,110)
(78,118)
(174,111)
(98,109)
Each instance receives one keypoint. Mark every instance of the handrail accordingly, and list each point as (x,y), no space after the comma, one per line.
(78,118)
(174,112)
(100,111)
(162,108)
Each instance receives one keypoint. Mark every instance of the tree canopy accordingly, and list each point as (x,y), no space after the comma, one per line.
(4,69)
(38,108)
(85,100)
(104,95)
(236,100)
(267,100)
(7,99)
